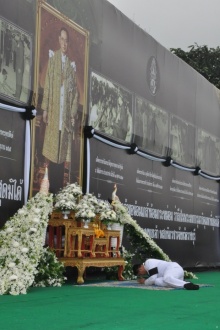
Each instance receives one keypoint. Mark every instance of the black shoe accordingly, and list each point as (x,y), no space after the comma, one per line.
(191,286)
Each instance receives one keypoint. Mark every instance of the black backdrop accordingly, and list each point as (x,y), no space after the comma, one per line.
(170,111)
(12,143)
(173,207)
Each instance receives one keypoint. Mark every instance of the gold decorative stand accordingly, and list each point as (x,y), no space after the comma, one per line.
(76,246)
(82,263)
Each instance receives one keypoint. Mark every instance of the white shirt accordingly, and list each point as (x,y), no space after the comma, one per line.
(161,266)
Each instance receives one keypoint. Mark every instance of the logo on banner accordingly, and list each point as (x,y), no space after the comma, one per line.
(153,75)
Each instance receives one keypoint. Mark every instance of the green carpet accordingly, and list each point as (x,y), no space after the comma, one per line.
(86,307)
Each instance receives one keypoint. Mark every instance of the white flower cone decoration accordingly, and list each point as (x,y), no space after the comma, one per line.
(116,226)
(45,184)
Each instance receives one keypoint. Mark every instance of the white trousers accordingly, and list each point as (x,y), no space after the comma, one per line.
(173,277)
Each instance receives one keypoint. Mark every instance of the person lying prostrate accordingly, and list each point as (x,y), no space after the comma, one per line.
(163,273)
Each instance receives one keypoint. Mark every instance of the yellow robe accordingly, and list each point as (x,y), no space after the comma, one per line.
(57,144)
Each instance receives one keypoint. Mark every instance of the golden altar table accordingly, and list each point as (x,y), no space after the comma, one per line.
(76,246)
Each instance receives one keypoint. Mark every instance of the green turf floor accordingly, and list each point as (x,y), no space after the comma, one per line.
(74,307)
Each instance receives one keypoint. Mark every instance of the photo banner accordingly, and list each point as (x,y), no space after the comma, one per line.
(17,51)
(178,210)
(139,93)
(12,153)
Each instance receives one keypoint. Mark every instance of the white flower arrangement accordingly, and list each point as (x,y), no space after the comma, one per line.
(85,208)
(73,188)
(102,206)
(107,214)
(91,201)
(67,198)
(83,211)
(21,242)
(88,207)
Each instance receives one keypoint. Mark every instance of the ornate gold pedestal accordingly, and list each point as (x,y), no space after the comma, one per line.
(78,247)
(82,263)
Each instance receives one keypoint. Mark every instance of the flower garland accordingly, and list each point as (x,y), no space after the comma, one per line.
(107,214)
(89,206)
(21,245)
(125,219)
(139,239)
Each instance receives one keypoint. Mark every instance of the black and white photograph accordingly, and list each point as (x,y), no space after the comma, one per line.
(151,127)
(208,152)
(110,108)
(182,141)
(15,62)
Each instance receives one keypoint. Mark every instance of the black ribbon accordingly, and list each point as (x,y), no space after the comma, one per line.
(153,271)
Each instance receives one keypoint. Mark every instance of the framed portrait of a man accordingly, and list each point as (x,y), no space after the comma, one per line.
(61,80)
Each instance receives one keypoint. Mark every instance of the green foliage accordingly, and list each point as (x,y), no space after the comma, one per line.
(112,272)
(49,270)
(204,60)
(139,247)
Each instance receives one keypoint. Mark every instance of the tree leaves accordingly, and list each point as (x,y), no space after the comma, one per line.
(204,60)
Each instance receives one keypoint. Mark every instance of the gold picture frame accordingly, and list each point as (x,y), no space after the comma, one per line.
(53,27)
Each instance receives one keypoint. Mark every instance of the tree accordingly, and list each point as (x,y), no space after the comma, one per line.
(204,60)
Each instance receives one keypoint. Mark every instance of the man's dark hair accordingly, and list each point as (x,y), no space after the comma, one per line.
(65,30)
(136,269)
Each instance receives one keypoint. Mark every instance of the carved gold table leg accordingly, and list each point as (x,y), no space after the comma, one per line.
(120,271)
(65,248)
(81,269)
(79,245)
(68,245)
